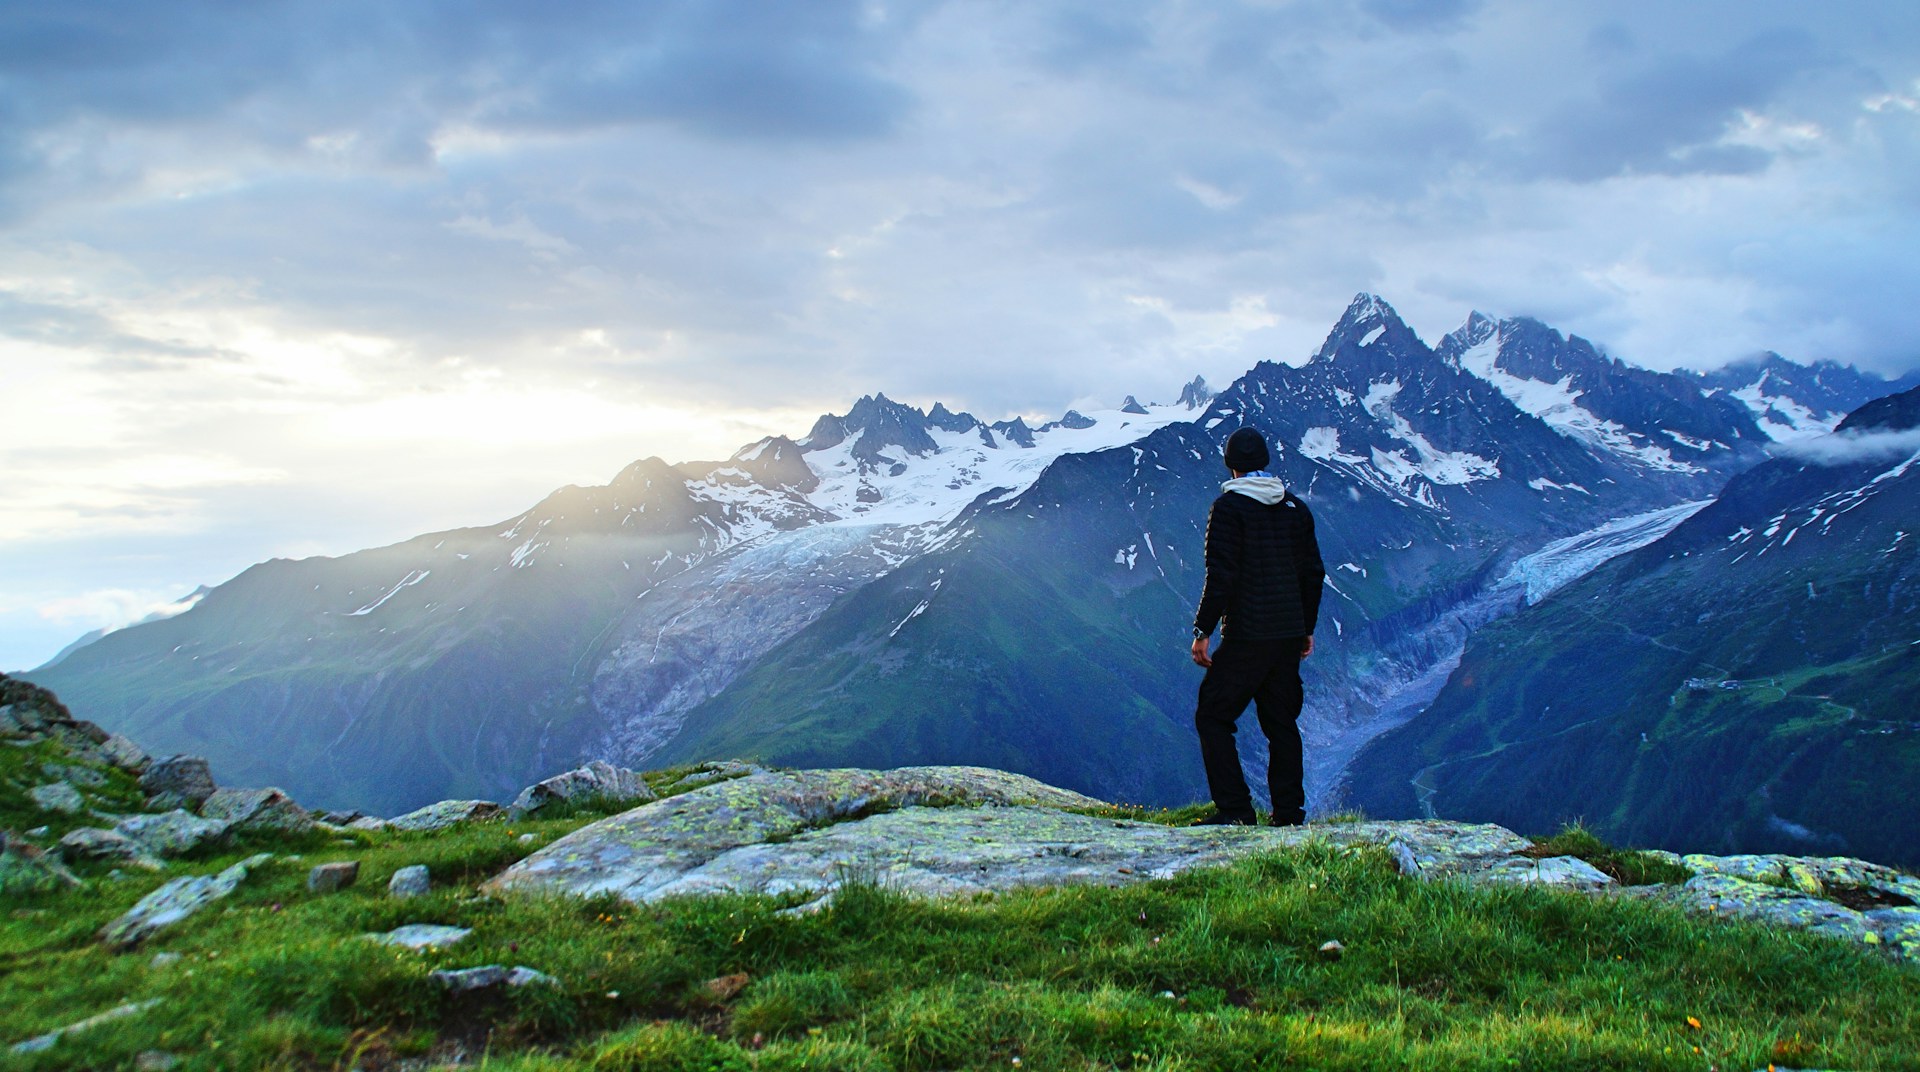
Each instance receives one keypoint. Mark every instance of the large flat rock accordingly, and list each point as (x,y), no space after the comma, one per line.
(939,831)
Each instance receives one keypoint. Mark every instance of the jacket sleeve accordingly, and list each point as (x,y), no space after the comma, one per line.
(1223,563)
(1311,572)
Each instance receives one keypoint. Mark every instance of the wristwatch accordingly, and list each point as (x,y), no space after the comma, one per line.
(1201,634)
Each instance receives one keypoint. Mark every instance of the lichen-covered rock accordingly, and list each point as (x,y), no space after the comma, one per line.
(172,833)
(598,779)
(178,781)
(368,824)
(1816,876)
(706,774)
(175,901)
(1569,872)
(1745,899)
(258,809)
(88,843)
(444,814)
(59,797)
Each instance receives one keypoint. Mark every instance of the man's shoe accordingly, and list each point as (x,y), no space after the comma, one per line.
(1277,820)
(1223,819)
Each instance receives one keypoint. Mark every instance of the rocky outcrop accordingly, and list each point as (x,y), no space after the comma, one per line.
(598,780)
(177,782)
(958,831)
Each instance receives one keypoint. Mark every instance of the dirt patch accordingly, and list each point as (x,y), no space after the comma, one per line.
(1864,898)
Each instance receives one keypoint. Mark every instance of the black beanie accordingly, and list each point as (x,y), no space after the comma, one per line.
(1246,451)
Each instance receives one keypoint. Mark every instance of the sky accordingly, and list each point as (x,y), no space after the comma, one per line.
(297,277)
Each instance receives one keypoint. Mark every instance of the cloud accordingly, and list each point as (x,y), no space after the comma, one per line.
(1855,448)
(108,609)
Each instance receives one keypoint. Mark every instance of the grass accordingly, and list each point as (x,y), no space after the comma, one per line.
(1625,866)
(1212,970)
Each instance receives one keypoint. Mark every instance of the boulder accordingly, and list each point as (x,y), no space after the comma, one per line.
(59,797)
(444,814)
(173,833)
(48,1040)
(341,818)
(1569,872)
(178,781)
(88,843)
(175,901)
(488,976)
(124,754)
(326,878)
(368,824)
(597,780)
(258,809)
(409,882)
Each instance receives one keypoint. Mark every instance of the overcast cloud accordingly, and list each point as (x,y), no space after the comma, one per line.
(300,277)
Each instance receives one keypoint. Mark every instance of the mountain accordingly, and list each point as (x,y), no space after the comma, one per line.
(906,586)
(1746,683)
(1792,401)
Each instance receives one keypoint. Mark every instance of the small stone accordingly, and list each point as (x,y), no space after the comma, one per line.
(527,839)
(186,777)
(444,814)
(408,882)
(422,936)
(155,1061)
(458,980)
(727,987)
(59,797)
(524,976)
(1332,950)
(327,878)
(40,831)
(342,818)
(258,809)
(164,960)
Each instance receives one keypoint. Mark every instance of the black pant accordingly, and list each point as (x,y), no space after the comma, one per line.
(1266,672)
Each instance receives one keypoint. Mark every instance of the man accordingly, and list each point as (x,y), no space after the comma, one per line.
(1263,579)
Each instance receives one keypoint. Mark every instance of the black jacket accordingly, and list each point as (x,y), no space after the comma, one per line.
(1263,569)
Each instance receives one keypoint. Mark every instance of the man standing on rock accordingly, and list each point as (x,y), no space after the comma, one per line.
(1263,581)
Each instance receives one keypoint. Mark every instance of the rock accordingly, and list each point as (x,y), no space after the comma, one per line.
(486,976)
(327,878)
(40,831)
(422,936)
(48,1040)
(59,797)
(368,824)
(597,780)
(88,843)
(527,839)
(27,868)
(728,987)
(74,775)
(708,773)
(82,739)
(172,833)
(124,754)
(185,778)
(1566,871)
(524,976)
(408,882)
(458,980)
(258,809)
(1743,899)
(164,960)
(444,814)
(10,723)
(1332,950)
(175,901)
(155,1061)
(342,818)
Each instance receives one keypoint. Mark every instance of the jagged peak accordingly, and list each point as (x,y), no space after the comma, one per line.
(1132,405)
(1196,394)
(1367,319)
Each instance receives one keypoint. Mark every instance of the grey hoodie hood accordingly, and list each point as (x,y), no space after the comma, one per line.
(1264,489)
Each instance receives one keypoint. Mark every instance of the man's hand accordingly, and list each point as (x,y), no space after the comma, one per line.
(1200,656)
(1307,648)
